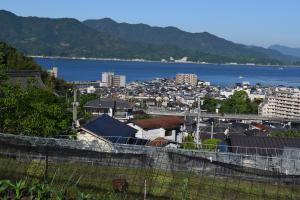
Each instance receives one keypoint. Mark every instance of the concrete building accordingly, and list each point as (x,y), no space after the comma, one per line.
(109,79)
(284,103)
(190,79)
(118,81)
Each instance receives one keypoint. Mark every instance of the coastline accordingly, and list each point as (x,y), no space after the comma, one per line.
(156,61)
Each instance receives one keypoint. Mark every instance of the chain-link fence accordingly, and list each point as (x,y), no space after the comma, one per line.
(154,172)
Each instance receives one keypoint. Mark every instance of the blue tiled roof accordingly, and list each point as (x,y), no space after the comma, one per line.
(106,126)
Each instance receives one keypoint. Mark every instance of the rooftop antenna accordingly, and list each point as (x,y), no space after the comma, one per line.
(75,105)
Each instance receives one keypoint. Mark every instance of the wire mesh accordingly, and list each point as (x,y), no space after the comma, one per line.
(171,173)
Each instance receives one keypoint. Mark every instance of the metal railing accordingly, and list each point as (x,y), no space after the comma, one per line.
(207,170)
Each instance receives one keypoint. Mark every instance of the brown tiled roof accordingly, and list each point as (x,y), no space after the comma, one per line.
(259,126)
(158,142)
(168,122)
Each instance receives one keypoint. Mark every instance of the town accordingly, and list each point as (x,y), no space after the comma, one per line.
(149,100)
(151,107)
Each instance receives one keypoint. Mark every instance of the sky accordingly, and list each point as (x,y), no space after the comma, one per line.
(251,22)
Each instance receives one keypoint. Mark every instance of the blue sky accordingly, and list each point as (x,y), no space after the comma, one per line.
(252,22)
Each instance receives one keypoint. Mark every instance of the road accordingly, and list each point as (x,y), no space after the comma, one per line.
(159,111)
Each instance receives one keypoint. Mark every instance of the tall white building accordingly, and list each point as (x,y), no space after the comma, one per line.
(190,79)
(285,103)
(119,81)
(109,79)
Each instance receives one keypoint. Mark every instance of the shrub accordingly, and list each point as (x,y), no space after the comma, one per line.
(210,144)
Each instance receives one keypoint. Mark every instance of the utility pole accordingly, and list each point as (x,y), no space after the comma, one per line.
(212,130)
(198,140)
(75,105)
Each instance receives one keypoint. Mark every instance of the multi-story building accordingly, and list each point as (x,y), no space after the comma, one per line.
(284,103)
(118,81)
(190,79)
(109,79)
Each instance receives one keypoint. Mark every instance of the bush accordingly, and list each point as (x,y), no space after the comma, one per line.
(188,142)
(210,144)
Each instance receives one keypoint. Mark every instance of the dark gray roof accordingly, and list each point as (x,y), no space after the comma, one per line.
(265,145)
(23,78)
(113,129)
(108,103)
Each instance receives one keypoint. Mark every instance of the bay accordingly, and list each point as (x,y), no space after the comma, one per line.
(219,75)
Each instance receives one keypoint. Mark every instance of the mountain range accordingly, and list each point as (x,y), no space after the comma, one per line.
(286,50)
(106,38)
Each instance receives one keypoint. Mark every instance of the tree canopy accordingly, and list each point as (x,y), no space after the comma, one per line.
(34,111)
(238,103)
(30,111)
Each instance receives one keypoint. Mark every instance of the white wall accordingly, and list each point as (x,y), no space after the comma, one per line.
(91,139)
(155,133)
(148,134)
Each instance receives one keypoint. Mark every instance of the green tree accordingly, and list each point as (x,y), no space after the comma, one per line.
(239,103)
(83,99)
(34,111)
(210,104)
(188,142)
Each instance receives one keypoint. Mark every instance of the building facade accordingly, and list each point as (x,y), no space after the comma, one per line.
(117,108)
(109,79)
(284,104)
(118,81)
(190,79)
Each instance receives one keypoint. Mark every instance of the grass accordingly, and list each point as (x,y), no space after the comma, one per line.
(160,184)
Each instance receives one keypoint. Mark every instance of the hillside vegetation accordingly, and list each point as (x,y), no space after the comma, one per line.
(30,111)
(108,39)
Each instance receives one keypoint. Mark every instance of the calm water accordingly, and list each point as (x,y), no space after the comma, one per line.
(221,75)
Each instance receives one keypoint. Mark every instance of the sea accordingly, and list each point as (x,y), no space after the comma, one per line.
(222,75)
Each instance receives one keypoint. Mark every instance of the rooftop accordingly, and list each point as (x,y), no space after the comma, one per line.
(24,77)
(110,128)
(108,103)
(167,122)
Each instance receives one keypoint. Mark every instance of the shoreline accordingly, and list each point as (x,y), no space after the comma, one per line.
(156,61)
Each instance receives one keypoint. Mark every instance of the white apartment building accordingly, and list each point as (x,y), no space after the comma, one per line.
(118,81)
(109,79)
(190,79)
(285,103)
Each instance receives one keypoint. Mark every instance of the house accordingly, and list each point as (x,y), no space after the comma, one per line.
(263,145)
(24,78)
(168,127)
(107,130)
(117,108)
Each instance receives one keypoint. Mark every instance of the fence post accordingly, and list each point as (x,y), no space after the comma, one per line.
(145,189)
(46,165)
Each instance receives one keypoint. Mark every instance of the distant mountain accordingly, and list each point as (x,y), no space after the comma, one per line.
(203,42)
(108,39)
(286,50)
(70,37)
